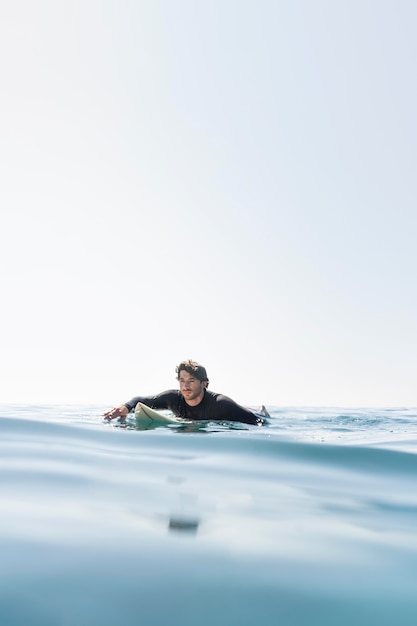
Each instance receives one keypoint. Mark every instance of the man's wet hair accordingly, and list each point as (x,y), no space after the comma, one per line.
(197,370)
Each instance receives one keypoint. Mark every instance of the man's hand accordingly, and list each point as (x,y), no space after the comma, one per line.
(117,411)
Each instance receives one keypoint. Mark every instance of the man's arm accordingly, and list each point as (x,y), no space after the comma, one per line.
(164,400)
(231,411)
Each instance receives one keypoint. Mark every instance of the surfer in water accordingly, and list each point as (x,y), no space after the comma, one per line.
(193,401)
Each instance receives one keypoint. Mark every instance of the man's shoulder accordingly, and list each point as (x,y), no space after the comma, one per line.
(169,393)
(219,397)
(223,407)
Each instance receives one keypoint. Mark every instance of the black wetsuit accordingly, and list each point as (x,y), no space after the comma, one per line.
(213,406)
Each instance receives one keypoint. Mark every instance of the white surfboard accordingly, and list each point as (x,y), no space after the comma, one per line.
(145,415)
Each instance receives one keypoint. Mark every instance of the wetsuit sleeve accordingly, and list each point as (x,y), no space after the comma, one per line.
(228,409)
(165,400)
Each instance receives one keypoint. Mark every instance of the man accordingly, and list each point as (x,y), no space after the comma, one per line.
(192,401)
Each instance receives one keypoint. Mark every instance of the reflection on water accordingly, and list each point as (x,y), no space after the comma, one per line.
(182,426)
(182,524)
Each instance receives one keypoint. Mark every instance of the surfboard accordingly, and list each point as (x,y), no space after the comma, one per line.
(145,415)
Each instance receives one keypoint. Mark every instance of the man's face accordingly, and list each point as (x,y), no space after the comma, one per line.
(191,388)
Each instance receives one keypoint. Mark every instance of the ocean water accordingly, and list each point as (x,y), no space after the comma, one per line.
(310,520)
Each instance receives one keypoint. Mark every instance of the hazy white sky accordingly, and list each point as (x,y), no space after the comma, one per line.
(228,181)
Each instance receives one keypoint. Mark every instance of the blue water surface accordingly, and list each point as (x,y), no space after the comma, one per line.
(310,520)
